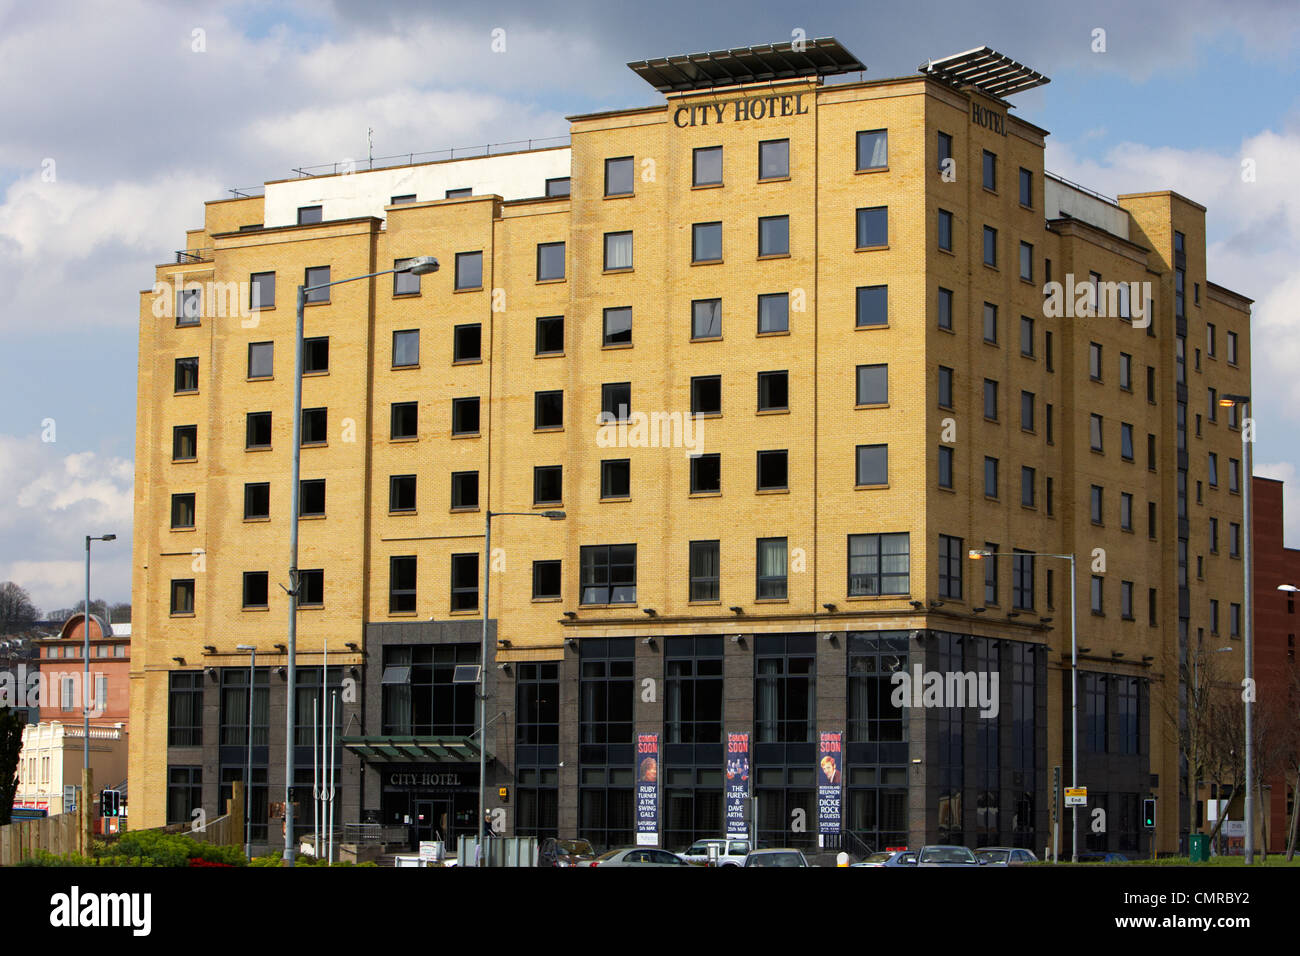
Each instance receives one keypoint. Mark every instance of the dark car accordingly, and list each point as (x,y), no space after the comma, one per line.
(566,853)
(939,855)
(1095,857)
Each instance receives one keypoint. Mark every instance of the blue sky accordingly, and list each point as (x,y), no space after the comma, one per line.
(143,128)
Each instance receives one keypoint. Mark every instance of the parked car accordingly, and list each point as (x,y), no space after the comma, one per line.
(1004,856)
(1096,857)
(776,857)
(946,856)
(730,852)
(565,852)
(890,858)
(639,856)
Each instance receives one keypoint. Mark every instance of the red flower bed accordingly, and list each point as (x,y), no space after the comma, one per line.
(196,861)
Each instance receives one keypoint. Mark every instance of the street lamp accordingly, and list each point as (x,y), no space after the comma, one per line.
(248,771)
(85,679)
(482,664)
(979,553)
(420,265)
(1243,402)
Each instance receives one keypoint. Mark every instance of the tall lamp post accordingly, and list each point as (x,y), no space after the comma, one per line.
(1242,402)
(248,767)
(482,661)
(979,553)
(420,265)
(85,680)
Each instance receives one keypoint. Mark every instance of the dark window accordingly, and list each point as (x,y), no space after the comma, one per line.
(185,709)
(785,685)
(420,695)
(189,304)
(706,474)
(990,170)
(402,200)
(1027,411)
(1126,600)
(1094,361)
(464,582)
(1095,499)
(873,465)
(546,580)
(704,574)
(404,282)
(945,230)
(185,442)
(990,477)
(1126,441)
(255,589)
(548,409)
(550,261)
(557,187)
(1093,693)
(1098,600)
(309,215)
(469,270)
(464,490)
(618,251)
(182,596)
(773,470)
(945,309)
(618,176)
(706,395)
(951,556)
(706,242)
(261,290)
(873,227)
(257,430)
(945,387)
(467,343)
(315,430)
(615,478)
(771,577)
(990,323)
(774,159)
(316,279)
(773,236)
(990,246)
(607,574)
(879,564)
(311,588)
(873,305)
(1022,580)
(873,385)
(945,466)
(1028,486)
(1026,336)
(615,401)
(1026,261)
(405,420)
(401,584)
(991,573)
(406,348)
(774,313)
(873,149)
(548,484)
(311,500)
(707,166)
(401,493)
(316,354)
(257,500)
(550,335)
(464,416)
(990,399)
(945,149)
(773,391)
(187,375)
(706,319)
(1026,188)
(182,511)
(618,326)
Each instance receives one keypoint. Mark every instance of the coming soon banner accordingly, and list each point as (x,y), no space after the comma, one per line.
(647,789)
(737,783)
(830,780)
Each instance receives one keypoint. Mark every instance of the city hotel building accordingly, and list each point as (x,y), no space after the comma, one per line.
(779,347)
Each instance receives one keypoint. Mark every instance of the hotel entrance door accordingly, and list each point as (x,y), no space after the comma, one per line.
(433,819)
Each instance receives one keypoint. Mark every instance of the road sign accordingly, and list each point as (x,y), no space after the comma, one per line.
(1234,828)
(1076,796)
(70,797)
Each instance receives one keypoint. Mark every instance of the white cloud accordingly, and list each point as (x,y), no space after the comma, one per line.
(53,499)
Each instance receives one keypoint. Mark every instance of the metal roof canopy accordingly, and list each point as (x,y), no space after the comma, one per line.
(407,749)
(824,56)
(986,69)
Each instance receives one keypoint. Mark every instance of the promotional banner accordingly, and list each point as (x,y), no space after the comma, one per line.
(830,780)
(647,789)
(737,785)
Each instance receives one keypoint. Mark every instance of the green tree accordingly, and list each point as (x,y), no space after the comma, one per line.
(11,744)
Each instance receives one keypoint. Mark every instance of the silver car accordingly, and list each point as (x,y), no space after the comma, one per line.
(730,852)
(639,856)
(890,858)
(781,857)
(946,856)
(1004,856)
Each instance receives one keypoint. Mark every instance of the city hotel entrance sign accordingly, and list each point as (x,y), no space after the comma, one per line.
(738,111)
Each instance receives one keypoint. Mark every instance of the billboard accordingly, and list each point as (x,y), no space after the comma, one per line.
(830,780)
(647,789)
(736,774)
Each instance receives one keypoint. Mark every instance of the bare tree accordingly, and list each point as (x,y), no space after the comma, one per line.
(16,609)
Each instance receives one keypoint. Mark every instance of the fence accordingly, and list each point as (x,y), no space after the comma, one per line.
(57,834)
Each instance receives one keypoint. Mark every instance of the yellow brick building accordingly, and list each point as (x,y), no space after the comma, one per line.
(840,289)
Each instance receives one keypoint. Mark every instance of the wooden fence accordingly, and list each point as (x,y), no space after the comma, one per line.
(57,834)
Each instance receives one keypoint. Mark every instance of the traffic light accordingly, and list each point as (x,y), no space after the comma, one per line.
(1149,813)
(110,803)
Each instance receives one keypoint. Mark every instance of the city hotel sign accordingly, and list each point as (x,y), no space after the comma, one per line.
(424,779)
(738,111)
(981,116)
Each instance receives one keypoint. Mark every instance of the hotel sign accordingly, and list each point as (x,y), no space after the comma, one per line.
(418,780)
(981,116)
(739,111)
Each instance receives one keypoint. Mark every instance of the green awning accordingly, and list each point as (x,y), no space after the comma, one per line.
(388,749)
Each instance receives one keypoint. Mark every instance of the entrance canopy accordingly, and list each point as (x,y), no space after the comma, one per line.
(388,749)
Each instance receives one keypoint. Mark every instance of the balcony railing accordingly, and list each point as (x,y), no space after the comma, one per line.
(184,256)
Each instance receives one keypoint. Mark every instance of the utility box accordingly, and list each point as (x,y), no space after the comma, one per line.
(1199,848)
